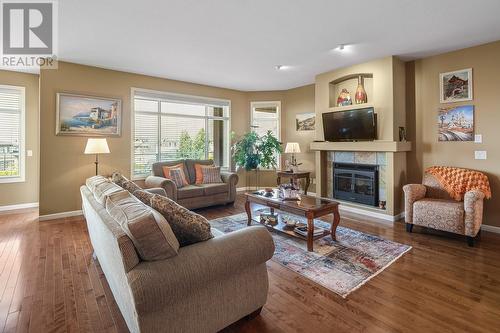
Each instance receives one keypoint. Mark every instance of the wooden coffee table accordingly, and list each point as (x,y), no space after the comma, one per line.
(308,206)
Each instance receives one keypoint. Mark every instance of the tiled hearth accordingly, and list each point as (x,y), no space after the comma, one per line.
(358,157)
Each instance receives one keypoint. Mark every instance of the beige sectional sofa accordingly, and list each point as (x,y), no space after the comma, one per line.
(194,196)
(203,288)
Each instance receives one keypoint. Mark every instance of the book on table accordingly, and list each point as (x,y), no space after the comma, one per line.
(303,231)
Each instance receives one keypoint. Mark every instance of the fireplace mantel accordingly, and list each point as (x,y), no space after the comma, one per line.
(376,146)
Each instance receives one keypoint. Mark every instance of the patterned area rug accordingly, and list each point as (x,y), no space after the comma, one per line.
(341,266)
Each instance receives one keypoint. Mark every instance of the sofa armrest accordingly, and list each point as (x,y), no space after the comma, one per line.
(230,178)
(157,190)
(164,183)
(413,192)
(156,284)
(473,207)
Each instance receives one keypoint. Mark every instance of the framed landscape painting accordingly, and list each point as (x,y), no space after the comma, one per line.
(88,115)
(456,123)
(305,121)
(456,86)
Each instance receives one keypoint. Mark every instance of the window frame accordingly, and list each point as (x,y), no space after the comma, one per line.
(22,138)
(206,117)
(253,104)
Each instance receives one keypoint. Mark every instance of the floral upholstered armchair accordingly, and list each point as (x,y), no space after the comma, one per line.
(429,205)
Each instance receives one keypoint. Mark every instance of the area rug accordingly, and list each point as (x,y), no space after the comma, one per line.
(341,266)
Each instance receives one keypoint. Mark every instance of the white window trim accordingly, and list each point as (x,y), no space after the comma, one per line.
(278,115)
(135,90)
(22,147)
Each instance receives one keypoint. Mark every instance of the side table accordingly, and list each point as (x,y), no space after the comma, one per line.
(294,176)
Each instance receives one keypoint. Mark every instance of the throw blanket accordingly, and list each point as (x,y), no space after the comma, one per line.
(457,181)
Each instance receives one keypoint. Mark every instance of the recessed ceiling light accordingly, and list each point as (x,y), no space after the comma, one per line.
(341,47)
(279,67)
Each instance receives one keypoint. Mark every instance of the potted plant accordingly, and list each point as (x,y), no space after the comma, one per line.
(252,151)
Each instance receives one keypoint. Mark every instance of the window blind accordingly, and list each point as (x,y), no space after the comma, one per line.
(11,117)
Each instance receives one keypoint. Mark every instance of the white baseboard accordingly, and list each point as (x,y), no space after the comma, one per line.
(242,189)
(490,228)
(376,215)
(18,206)
(61,215)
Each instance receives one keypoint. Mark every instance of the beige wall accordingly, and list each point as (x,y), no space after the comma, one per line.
(63,166)
(486,71)
(27,191)
(293,101)
(300,100)
(382,97)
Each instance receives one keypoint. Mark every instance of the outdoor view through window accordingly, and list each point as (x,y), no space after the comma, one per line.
(11,133)
(169,127)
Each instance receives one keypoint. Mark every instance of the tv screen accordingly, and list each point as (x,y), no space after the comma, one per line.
(350,125)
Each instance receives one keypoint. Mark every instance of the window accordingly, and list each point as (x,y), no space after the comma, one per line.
(170,126)
(11,134)
(265,116)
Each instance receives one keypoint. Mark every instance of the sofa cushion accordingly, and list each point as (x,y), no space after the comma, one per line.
(190,191)
(211,189)
(144,196)
(94,181)
(447,215)
(151,234)
(187,226)
(191,170)
(102,188)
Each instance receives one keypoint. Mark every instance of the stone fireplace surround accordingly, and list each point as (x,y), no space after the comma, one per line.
(358,157)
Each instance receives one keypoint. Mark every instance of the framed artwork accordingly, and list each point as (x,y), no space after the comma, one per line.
(456,86)
(83,115)
(305,121)
(456,123)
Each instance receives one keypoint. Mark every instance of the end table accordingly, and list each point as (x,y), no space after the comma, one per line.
(294,176)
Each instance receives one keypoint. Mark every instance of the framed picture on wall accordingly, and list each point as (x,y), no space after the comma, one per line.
(83,115)
(456,86)
(305,121)
(456,123)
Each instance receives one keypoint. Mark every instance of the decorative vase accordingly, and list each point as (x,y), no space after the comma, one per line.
(360,96)
(344,98)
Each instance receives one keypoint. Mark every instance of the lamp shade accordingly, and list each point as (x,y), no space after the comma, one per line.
(292,147)
(96,146)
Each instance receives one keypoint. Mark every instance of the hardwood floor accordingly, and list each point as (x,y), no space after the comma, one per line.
(49,283)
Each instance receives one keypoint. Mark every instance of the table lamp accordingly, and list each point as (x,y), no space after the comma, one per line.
(96,146)
(292,147)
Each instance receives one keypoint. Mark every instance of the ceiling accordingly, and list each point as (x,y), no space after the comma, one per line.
(237,43)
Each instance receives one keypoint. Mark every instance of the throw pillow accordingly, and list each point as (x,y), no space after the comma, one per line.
(151,234)
(167,174)
(198,173)
(118,178)
(177,176)
(144,196)
(211,174)
(188,227)
(131,186)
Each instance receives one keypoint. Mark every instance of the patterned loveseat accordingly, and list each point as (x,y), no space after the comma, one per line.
(429,205)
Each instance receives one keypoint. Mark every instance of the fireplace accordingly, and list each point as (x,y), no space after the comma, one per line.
(356,182)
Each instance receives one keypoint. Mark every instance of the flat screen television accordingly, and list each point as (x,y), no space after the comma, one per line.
(350,125)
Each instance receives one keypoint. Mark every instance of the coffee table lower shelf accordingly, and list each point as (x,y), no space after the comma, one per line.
(282,227)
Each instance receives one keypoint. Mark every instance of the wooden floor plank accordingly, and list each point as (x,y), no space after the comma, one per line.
(49,283)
